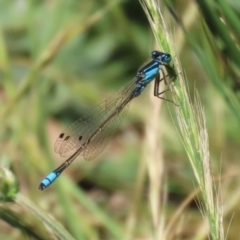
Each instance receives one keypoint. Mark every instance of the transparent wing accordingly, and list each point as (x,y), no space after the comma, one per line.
(76,134)
(105,132)
(85,127)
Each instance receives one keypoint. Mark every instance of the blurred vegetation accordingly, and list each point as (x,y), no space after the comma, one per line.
(58,59)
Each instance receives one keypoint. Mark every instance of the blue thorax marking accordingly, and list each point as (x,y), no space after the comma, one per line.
(146,74)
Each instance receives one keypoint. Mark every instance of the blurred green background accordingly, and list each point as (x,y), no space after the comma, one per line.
(59,59)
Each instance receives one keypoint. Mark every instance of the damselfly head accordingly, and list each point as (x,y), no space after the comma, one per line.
(164,57)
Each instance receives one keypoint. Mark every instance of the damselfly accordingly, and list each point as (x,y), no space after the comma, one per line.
(89,135)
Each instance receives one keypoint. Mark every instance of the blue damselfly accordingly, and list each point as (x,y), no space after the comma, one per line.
(89,135)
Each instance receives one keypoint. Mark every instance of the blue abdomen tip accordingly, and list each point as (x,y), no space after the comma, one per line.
(47,180)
